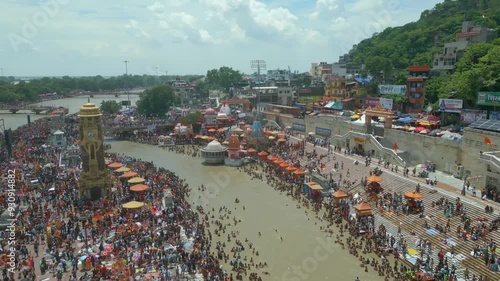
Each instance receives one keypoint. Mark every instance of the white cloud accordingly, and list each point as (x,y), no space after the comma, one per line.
(98,35)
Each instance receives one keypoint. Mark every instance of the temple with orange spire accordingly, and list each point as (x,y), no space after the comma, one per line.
(233,158)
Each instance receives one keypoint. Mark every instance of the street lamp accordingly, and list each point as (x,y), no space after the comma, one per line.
(126,76)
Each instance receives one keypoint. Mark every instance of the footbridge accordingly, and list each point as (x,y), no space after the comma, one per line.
(128,128)
(37,109)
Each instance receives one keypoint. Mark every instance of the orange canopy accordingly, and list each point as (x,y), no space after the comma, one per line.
(339,194)
(413,195)
(278,161)
(284,165)
(291,168)
(262,153)
(127,175)
(115,165)
(271,157)
(139,187)
(374,179)
(281,140)
(251,150)
(299,172)
(363,207)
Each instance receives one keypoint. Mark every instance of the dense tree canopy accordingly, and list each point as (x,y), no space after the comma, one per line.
(416,43)
(477,70)
(30,91)
(110,107)
(191,118)
(156,101)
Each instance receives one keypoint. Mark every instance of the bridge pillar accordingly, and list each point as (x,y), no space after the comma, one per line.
(13,111)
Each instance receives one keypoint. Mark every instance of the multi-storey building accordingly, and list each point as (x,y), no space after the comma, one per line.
(335,86)
(279,75)
(182,88)
(453,51)
(280,95)
(415,87)
(319,70)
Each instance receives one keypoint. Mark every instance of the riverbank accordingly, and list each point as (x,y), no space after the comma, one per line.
(267,211)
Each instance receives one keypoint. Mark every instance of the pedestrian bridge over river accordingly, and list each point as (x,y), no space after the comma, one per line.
(128,128)
(37,109)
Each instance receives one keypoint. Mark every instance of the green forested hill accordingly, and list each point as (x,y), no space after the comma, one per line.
(415,43)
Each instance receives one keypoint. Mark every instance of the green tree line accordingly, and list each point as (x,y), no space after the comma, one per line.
(30,91)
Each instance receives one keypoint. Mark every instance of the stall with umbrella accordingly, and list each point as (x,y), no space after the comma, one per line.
(128,175)
(262,155)
(139,188)
(122,170)
(364,216)
(136,180)
(339,195)
(414,201)
(373,188)
(115,165)
(133,205)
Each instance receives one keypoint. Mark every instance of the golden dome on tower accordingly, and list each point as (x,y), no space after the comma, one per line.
(89,110)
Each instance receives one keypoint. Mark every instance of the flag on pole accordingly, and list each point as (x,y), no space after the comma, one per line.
(395,147)
(487,141)
(350,127)
(338,133)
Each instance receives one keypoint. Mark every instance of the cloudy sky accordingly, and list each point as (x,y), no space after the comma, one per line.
(95,37)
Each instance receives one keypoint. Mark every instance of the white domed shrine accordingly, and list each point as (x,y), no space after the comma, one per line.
(214,153)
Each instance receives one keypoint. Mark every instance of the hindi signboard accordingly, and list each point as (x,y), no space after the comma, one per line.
(471,115)
(392,89)
(323,132)
(451,105)
(299,127)
(373,102)
(488,98)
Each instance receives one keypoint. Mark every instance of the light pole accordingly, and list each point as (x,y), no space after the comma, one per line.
(126,89)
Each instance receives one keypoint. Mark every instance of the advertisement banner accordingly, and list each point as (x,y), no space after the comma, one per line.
(494,115)
(451,105)
(392,89)
(299,127)
(373,102)
(488,98)
(323,132)
(471,115)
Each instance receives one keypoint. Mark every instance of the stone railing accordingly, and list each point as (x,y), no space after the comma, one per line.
(491,157)
(374,141)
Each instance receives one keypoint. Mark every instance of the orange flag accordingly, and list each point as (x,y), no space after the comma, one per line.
(487,141)
(338,132)
(395,147)
(351,127)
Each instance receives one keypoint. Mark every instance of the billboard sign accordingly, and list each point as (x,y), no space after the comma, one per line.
(494,115)
(488,98)
(299,127)
(451,105)
(471,115)
(323,132)
(373,102)
(392,89)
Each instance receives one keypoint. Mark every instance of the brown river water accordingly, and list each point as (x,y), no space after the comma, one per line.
(305,253)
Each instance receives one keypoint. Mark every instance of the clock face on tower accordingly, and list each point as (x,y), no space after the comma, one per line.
(91,134)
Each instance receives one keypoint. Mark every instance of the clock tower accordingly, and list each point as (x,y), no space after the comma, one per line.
(94,182)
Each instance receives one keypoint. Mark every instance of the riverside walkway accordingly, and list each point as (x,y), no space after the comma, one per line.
(456,248)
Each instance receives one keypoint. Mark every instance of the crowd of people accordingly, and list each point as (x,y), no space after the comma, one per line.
(59,234)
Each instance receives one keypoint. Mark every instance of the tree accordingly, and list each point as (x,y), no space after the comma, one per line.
(110,107)
(304,80)
(191,118)
(375,65)
(224,77)
(156,101)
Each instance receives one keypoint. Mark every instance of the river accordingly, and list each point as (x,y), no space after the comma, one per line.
(305,252)
(73,104)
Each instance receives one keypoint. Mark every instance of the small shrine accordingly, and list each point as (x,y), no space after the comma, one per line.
(214,153)
(233,152)
(58,139)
